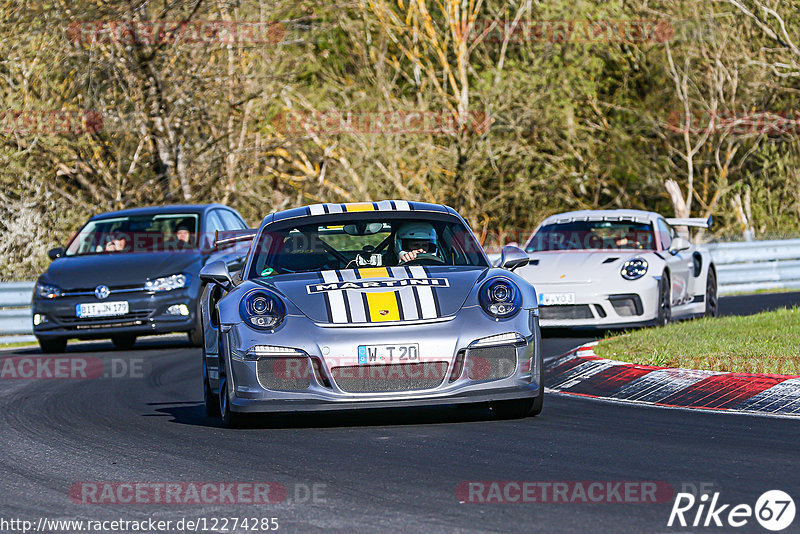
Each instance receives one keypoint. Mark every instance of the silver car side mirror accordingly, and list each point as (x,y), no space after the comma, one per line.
(216,272)
(512,257)
(679,244)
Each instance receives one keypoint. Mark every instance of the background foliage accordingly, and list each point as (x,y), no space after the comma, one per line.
(575,123)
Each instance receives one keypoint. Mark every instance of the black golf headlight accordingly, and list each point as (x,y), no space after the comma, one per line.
(634,269)
(500,298)
(262,309)
(48,291)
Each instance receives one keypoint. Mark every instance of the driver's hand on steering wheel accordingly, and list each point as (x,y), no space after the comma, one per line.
(406,257)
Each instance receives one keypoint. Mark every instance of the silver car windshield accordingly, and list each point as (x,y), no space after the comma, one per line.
(362,243)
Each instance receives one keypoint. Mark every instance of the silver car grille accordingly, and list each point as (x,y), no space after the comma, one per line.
(491,363)
(283,374)
(387,378)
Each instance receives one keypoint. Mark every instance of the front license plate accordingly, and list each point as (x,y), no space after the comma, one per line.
(556,299)
(101,309)
(376,354)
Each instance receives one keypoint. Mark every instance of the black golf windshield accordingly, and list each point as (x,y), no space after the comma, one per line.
(351,243)
(593,235)
(137,233)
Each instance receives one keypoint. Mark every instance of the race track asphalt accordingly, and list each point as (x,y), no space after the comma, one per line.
(389,470)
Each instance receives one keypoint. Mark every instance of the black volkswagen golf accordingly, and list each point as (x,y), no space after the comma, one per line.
(131,273)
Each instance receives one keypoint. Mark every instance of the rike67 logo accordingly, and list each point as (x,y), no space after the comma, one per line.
(774,510)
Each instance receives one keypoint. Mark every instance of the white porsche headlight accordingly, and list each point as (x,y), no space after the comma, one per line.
(634,269)
(167,283)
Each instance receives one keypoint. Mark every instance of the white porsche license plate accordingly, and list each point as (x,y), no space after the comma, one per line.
(378,354)
(101,309)
(556,299)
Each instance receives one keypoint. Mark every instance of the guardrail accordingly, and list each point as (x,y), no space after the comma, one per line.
(741,268)
(15,308)
(749,266)
(756,265)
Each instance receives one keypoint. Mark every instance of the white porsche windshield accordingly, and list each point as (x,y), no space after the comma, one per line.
(593,235)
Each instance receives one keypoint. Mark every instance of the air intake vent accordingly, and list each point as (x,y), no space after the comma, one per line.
(610,260)
(283,374)
(384,378)
(491,363)
(579,311)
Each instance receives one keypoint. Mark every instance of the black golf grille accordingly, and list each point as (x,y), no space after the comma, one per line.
(395,377)
(579,311)
(283,374)
(102,321)
(491,363)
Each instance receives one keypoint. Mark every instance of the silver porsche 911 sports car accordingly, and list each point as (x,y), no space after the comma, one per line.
(618,268)
(375,304)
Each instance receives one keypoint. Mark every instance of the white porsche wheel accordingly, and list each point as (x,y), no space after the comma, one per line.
(664,301)
(712,298)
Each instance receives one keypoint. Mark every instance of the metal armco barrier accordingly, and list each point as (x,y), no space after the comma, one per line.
(741,268)
(757,265)
(15,308)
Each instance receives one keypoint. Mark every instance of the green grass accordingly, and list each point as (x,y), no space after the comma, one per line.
(18,344)
(765,343)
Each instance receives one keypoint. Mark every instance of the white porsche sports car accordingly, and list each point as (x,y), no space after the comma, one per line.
(618,268)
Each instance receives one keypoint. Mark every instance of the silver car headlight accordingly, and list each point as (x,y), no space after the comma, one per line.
(634,269)
(48,291)
(167,283)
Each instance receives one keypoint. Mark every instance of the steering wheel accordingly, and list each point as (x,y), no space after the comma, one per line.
(423,258)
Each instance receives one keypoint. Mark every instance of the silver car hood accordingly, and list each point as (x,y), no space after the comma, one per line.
(576,267)
(384,294)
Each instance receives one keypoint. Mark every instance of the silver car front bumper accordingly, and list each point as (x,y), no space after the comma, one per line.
(324,373)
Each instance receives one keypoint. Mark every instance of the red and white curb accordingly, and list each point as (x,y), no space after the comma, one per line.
(582,372)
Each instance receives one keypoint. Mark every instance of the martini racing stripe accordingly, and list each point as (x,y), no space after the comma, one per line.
(359,206)
(409,302)
(375,272)
(335,299)
(383,307)
(382,205)
(429,307)
(355,299)
(404,303)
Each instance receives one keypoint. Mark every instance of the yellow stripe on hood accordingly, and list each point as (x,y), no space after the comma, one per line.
(374,272)
(383,307)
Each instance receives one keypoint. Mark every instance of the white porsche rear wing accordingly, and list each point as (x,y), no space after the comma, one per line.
(697,222)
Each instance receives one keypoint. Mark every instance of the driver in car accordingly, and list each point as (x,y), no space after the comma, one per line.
(413,239)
